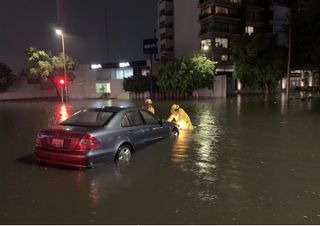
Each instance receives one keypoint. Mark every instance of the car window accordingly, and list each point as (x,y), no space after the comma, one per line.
(125,121)
(149,118)
(134,118)
(88,118)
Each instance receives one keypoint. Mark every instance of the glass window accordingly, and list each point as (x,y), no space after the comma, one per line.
(205,44)
(221,42)
(119,73)
(125,121)
(88,118)
(149,118)
(134,118)
(222,10)
(128,72)
(113,74)
(206,11)
(249,30)
(224,57)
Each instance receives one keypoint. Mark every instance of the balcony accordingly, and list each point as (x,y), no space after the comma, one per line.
(203,3)
(168,36)
(229,2)
(166,12)
(166,24)
(205,16)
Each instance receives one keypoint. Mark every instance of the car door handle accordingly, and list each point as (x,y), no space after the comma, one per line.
(130,132)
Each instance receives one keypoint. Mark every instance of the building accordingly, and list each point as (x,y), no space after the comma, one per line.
(222,20)
(105,79)
(178,28)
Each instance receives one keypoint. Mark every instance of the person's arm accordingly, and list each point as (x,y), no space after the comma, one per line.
(171,117)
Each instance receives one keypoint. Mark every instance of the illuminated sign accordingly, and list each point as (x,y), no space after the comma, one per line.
(95,66)
(124,64)
(150,46)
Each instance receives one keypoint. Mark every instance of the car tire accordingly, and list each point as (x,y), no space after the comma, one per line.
(124,153)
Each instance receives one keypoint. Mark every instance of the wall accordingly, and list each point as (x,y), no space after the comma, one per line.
(186,28)
(219,89)
(84,85)
(22,90)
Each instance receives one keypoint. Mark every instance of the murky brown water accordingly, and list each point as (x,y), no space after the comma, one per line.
(247,162)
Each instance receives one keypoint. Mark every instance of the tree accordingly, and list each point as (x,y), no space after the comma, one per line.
(46,66)
(168,75)
(6,77)
(259,60)
(198,72)
(138,83)
(186,74)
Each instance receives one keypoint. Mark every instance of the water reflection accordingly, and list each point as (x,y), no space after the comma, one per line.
(62,112)
(206,138)
(181,144)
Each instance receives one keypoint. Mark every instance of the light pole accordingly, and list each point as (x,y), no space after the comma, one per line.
(60,33)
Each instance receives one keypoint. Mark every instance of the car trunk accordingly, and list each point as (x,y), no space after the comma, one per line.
(62,138)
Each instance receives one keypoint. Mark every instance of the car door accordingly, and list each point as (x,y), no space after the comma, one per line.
(135,128)
(155,130)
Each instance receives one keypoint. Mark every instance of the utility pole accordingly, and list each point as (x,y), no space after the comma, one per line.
(289,60)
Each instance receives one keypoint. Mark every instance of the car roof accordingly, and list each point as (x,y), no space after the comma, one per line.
(115,109)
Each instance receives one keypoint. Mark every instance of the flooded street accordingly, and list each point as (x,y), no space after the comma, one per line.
(248,161)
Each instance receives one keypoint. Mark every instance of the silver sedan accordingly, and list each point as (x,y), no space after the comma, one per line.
(98,135)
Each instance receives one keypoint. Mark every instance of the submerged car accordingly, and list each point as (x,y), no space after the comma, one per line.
(98,135)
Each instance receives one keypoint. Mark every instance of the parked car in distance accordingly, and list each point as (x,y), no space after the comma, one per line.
(98,135)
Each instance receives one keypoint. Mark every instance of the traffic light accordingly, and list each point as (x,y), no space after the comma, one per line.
(61,82)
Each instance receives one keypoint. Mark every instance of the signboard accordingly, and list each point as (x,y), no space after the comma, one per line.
(150,46)
(103,88)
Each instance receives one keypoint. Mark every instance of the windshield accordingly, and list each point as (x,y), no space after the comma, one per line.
(90,118)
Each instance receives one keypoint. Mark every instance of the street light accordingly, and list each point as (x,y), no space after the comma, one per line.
(60,33)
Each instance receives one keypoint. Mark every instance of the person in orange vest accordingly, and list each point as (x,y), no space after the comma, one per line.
(180,117)
(148,105)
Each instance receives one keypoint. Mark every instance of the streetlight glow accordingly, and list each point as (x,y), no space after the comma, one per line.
(58,32)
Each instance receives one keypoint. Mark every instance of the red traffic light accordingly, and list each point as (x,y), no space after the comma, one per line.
(61,82)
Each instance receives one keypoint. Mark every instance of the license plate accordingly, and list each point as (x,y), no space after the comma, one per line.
(58,143)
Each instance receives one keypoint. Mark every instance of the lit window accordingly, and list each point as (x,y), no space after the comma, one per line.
(127,72)
(206,11)
(222,10)
(119,74)
(145,72)
(221,42)
(224,57)
(205,44)
(249,30)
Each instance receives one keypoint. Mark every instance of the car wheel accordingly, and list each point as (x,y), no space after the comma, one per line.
(124,153)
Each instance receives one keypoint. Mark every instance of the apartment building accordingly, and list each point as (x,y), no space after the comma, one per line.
(222,20)
(178,28)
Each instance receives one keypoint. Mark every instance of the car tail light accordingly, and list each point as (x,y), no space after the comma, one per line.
(87,143)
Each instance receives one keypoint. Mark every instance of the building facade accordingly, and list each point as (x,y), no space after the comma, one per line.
(105,79)
(178,28)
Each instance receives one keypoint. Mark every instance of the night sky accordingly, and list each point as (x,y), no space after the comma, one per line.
(96,30)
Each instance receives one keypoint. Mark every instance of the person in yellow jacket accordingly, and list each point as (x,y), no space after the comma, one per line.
(180,117)
(148,105)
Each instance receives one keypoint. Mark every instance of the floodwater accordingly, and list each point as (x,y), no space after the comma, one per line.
(249,161)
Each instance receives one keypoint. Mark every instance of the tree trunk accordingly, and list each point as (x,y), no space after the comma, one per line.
(266,90)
